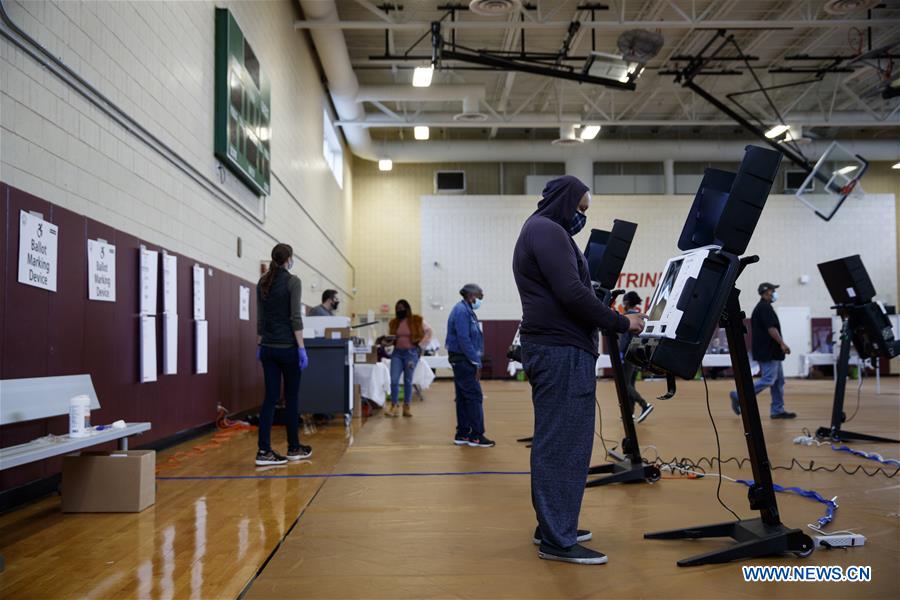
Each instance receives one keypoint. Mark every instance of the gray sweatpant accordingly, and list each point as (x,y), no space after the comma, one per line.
(563,391)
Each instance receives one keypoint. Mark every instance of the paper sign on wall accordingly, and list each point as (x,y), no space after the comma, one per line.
(38,240)
(149,280)
(201,335)
(101,271)
(170,344)
(199,293)
(244,313)
(170,283)
(148,348)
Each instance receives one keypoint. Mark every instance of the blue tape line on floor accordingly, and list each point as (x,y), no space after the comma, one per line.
(333,475)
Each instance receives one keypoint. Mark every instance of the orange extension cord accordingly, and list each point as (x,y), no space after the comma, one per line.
(227,430)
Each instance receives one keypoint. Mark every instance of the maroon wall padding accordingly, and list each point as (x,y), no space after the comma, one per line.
(48,334)
(498,335)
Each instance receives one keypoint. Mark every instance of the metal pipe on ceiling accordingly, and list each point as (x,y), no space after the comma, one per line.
(601,25)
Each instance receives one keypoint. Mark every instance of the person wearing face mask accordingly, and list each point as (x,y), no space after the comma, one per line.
(330,303)
(410,333)
(768,350)
(280,349)
(561,315)
(465,345)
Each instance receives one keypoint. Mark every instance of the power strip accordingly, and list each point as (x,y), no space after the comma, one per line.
(840,540)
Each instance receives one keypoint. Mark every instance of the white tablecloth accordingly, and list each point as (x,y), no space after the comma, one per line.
(603,362)
(375,380)
(437,361)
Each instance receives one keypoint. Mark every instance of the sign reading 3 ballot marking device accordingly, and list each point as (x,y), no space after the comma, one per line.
(38,240)
(101,271)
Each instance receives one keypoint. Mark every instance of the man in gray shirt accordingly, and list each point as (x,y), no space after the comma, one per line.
(329,305)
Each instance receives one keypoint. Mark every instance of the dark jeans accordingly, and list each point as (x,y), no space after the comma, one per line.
(280,363)
(469,399)
(563,390)
(403,362)
(634,397)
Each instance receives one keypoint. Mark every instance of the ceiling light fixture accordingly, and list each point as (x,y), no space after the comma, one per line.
(896,165)
(776,131)
(385,164)
(421,132)
(847,169)
(422,76)
(589,132)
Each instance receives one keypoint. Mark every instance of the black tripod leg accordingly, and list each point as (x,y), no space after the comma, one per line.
(749,549)
(864,437)
(701,531)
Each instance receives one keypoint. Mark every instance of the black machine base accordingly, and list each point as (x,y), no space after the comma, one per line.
(827,433)
(623,470)
(754,539)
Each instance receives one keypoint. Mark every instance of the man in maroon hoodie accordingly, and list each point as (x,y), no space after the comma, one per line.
(559,333)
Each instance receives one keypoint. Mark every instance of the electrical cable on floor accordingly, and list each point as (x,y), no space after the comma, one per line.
(599,431)
(718,453)
(858,394)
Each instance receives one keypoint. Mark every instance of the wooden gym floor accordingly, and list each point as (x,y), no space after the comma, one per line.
(427,526)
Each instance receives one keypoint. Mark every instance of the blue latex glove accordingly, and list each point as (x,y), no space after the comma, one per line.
(304,358)
(259,353)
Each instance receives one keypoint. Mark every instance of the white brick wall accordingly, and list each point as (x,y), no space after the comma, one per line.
(155,60)
(472,239)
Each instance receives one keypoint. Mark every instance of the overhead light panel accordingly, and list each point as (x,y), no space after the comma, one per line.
(589,132)
(422,76)
(847,169)
(421,132)
(385,164)
(776,131)
(896,165)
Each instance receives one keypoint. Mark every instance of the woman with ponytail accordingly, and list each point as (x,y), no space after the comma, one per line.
(279,329)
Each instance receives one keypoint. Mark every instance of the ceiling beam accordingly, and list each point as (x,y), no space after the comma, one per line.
(603,25)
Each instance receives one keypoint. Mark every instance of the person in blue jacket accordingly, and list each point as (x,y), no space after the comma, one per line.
(465,346)
(561,316)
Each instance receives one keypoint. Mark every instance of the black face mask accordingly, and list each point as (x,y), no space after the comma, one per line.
(578,223)
(336,304)
(401,314)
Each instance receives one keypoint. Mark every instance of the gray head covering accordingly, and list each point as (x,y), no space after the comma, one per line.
(470,288)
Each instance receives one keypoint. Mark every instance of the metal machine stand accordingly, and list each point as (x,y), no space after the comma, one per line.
(766,535)
(628,467)
(834,432)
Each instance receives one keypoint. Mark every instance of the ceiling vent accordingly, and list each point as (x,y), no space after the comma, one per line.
(640,45)
(470,112)
(845,7)
(567,137)
(494,8)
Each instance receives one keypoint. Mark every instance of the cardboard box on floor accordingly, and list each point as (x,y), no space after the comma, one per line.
(120,481)
(337,333)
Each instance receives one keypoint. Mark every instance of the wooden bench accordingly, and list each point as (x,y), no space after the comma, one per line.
(43,397)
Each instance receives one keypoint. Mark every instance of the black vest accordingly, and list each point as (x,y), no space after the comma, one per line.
(276,311)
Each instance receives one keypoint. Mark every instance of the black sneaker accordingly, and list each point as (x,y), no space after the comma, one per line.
(577,554)
(784,415)
(269,457)
(461,440)
(645,413)
(735,404)
(583,535)
(299,453)
(479,441)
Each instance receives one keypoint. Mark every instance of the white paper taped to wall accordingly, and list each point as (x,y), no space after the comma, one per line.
(244,304)
(148,283)
(201,355)
(199,293)
(148,348)
(101,271)
(170,344)
(170,284)
(38,240)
